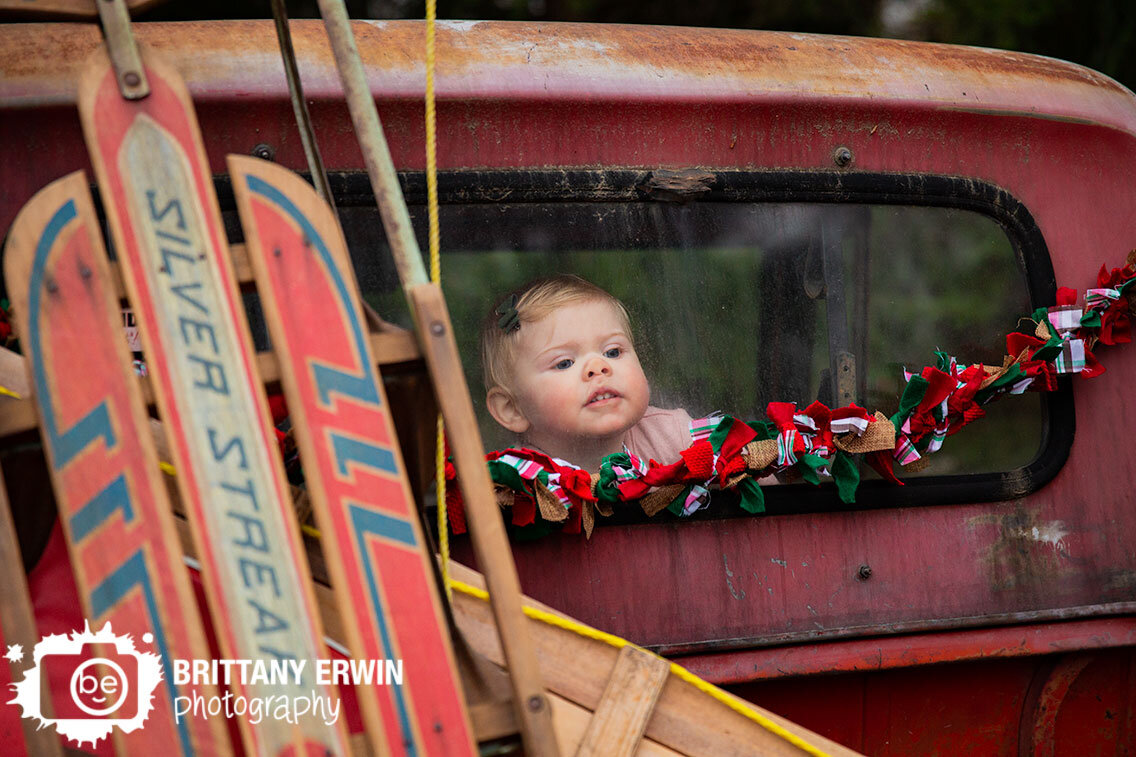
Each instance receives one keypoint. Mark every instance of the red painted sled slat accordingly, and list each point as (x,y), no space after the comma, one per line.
(112,502)
(372,539)
(163,212)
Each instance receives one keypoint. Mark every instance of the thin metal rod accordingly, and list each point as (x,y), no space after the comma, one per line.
(428,305)
(299,104)
(123,52)
(376,154)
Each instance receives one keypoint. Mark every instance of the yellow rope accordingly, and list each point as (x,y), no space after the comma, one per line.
(710,689)
(436,277)
(8,392)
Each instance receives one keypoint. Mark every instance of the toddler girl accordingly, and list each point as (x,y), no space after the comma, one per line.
(561,372)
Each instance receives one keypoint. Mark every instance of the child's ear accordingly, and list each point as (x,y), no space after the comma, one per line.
(504,409)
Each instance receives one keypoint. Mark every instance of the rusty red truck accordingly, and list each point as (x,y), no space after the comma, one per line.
(788,217)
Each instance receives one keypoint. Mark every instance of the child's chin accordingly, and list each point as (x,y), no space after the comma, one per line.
(613,428)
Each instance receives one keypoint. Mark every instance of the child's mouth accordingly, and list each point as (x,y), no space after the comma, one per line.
(600,396)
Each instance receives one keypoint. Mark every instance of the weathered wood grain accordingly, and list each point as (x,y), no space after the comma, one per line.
(158,193)
(628,699)
(484,518)
(372,540)
(576,667)
(104,468)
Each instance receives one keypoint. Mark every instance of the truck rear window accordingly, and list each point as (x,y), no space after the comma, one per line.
(748,294)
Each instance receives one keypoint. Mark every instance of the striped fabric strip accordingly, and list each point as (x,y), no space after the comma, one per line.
(702,428)
(804,422)
(1099,299)
(1021,386)
(528,469)
(937,438)
(1065,318)
(624,474)
(785,441)
(1072,357)
(905,451)
(856,426)
(558,490)
(698,498)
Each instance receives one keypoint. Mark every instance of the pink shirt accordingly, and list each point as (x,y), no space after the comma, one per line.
(660,435)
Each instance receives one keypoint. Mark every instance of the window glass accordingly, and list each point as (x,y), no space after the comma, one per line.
(737,304)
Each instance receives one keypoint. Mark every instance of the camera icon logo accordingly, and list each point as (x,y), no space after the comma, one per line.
(109,683)
(99,686)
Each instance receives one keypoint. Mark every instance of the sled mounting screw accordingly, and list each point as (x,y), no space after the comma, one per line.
(84,271)
(864,573)
(263,151)
(842,156)
(437,329)
(536,703)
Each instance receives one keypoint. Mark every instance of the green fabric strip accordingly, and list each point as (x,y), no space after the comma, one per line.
(808,465)
(753,499)
(764,430)
(718,435)
(1049,350)
(846,474)
(1009,378)
(912,396)
(675,507)
(506,475)
(606,490)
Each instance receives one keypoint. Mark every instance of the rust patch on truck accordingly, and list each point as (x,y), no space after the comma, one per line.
(1026,552)
(678,186)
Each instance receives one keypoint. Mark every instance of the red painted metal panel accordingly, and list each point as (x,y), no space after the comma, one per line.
(1052,705)
(910,650)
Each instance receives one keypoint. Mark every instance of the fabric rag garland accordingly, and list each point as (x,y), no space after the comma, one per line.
(726,453)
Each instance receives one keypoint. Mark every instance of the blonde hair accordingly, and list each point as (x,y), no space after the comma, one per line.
(535,300)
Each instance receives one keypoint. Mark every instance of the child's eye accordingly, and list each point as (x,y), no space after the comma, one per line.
(564,364)
(614,352)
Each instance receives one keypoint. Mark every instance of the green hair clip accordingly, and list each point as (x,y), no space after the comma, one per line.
(510,319)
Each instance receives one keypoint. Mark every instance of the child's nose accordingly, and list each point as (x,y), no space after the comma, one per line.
(597,366)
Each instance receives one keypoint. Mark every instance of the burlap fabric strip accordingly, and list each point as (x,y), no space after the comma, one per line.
(551,508)
(993,373)
(504,495)
(657,501)
(603,508)
(879,435)
(760,455)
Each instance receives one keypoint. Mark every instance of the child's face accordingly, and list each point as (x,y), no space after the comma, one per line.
(577,378)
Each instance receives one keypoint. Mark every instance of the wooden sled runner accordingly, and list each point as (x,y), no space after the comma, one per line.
(111,498)
(181,277)
(167,228)
(372,539)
